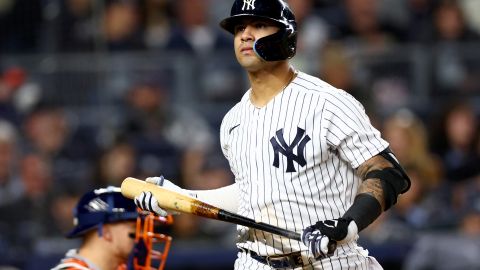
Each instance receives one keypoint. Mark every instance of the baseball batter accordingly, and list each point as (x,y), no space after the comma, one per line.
(304,154)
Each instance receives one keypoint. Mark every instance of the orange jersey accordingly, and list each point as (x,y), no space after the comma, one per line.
(72,264)
(72,261)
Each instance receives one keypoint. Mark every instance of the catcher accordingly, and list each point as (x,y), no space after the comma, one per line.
(115,235)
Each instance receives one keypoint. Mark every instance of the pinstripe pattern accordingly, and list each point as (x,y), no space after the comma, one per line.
(341,138)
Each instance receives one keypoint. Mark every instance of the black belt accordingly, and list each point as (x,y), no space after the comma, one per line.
(291,260)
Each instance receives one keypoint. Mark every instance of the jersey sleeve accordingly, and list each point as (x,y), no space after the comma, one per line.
(348,129)
(226,121)
(223,138)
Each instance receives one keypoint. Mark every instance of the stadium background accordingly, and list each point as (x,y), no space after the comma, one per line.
(94,91)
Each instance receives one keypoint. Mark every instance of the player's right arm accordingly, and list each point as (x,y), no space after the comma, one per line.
(224,198)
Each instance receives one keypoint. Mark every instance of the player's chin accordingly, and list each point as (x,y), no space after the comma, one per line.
(250,63)
(247,56)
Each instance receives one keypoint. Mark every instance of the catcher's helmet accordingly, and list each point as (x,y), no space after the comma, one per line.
(100,206)
(108,205)
(279,46)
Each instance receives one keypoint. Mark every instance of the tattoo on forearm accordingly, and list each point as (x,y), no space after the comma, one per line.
(373,187)
(375,163)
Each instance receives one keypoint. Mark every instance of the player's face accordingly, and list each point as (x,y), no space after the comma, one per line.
(123,232)
(246,33)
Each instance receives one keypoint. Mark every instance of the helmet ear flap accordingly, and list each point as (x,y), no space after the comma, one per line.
(276,47)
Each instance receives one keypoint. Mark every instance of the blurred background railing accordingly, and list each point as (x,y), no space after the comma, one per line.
(94,91)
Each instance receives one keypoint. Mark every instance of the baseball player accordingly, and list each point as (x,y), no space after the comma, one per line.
(304,154)
(113,235)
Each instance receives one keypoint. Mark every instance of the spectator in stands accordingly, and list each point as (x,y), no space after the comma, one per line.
(47,130)
(337,69)
(164,135)
(78,26)
(408,137)
(312,34)
(308,21)
(7,108)
(52,243)
(10,184)
(18,95)
(25,93)
(413,17)
(192,32)
(361,26)
(454,73)
(21,229)
(71,149)
(455,140)
(158,22)
(366,36)
(449,250)
(449,24)
(122,26)
(115,164)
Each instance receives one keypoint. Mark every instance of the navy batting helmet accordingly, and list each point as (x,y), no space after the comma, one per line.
(101,206)
(279,46)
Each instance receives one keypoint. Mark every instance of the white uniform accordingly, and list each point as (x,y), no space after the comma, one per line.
(294,163)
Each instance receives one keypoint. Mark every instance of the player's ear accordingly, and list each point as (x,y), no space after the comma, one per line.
(107,233)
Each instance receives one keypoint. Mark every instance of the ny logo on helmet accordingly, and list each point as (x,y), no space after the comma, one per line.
(248,4)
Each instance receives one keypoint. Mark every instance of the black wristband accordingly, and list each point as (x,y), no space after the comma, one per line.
(364,210)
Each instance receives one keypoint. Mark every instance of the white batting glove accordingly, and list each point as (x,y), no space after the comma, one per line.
(157,180)
(147,202)
(317,244)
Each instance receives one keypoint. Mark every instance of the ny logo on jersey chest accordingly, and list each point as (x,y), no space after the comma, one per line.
(281,147)
(248,5)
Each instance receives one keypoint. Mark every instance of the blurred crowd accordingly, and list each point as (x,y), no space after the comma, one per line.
(50,154)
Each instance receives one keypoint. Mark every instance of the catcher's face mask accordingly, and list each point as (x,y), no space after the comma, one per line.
(151,243)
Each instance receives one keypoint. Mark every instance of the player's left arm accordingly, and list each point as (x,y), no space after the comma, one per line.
(384,180)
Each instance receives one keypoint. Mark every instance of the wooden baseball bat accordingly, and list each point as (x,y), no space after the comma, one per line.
(171,200)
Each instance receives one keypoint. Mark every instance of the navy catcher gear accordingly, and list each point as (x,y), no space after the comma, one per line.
(101,206)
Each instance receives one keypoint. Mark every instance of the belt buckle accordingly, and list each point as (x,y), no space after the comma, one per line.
(285,261)
(277,262)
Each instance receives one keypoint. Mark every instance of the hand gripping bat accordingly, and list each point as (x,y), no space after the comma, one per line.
(171,200)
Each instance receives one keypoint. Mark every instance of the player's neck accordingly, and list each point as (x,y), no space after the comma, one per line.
(267,83)
(100,257)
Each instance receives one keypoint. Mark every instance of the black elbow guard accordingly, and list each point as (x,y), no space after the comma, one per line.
(395,181)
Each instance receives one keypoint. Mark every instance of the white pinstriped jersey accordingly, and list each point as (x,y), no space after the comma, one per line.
(294,160)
